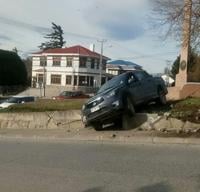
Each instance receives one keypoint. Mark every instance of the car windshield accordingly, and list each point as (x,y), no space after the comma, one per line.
(13,100)
(119,80)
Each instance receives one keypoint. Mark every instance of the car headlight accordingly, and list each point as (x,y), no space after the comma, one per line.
(111,94)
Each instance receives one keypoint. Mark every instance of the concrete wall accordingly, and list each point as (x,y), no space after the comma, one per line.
(72,119)
(39,120)
(188,90)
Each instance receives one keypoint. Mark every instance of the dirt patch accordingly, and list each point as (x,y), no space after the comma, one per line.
(182,134)
(185,110)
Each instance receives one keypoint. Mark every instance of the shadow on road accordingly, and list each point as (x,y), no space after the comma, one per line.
(95,189)
(162,187)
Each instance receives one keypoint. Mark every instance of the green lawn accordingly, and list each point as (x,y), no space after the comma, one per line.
(187,110)
(47,105)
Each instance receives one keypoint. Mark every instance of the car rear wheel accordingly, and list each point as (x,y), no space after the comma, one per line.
(161,97)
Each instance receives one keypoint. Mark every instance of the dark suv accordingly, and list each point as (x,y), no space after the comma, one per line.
(120,95)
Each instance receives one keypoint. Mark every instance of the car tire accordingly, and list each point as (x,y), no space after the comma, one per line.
(125,121)
(130,109)
(161,97)
(97,126)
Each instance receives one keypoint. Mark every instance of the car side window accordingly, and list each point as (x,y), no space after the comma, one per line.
(141,75)
(131,78)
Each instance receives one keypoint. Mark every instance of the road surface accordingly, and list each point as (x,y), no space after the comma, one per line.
(45,166)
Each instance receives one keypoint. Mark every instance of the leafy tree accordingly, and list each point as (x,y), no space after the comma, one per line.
(12,69)
(169,14)
(175,67)
(28,64)
(56,39)
(193,67)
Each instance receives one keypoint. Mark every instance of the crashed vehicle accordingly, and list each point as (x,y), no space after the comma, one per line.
(118,97)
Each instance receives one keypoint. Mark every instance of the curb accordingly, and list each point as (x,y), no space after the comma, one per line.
(107,140)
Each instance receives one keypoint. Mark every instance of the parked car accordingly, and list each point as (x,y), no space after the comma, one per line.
(16,100)
(120,95)
(71,95)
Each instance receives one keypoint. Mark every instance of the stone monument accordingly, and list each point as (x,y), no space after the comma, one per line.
(182,76)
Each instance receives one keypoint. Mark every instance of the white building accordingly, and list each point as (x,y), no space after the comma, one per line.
(71,68)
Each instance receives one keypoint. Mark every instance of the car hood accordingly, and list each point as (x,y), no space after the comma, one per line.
(103,93)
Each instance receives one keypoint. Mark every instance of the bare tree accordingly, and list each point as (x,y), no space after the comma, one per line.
(169,14)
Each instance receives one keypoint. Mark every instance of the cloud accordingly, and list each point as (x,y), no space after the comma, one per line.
(125,30)
(122,20)
(20,24)
(5,38)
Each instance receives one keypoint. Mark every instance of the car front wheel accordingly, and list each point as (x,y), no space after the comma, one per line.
(130,110)
(97,126)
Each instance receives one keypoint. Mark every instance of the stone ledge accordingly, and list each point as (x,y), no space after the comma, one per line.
(66,119)
(39,120)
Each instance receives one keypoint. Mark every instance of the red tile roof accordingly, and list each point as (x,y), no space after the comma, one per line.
(71,50)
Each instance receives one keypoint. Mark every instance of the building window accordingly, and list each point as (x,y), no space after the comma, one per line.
(97,63)
(43,61)
(91,81)
(104,64)
(83,62)
(88,81)
(56,61)
(68,79)
(103,80)
(69,61)
(40,78)
(75,80)
(92,63)
(55,79)
(82,80)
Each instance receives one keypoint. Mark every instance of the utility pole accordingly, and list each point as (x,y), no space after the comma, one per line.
(101,60)
(181,78)
(44,76)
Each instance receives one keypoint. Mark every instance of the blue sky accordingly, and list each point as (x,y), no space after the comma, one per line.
(125,24)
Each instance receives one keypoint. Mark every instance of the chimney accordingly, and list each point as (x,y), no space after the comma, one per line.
(92,47)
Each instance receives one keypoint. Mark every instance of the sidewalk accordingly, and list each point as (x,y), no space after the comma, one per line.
(90,135)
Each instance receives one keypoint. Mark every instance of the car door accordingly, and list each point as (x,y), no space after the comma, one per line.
(135,88)
(148,87)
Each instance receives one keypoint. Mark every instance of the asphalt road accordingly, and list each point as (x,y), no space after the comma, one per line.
(30,166)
